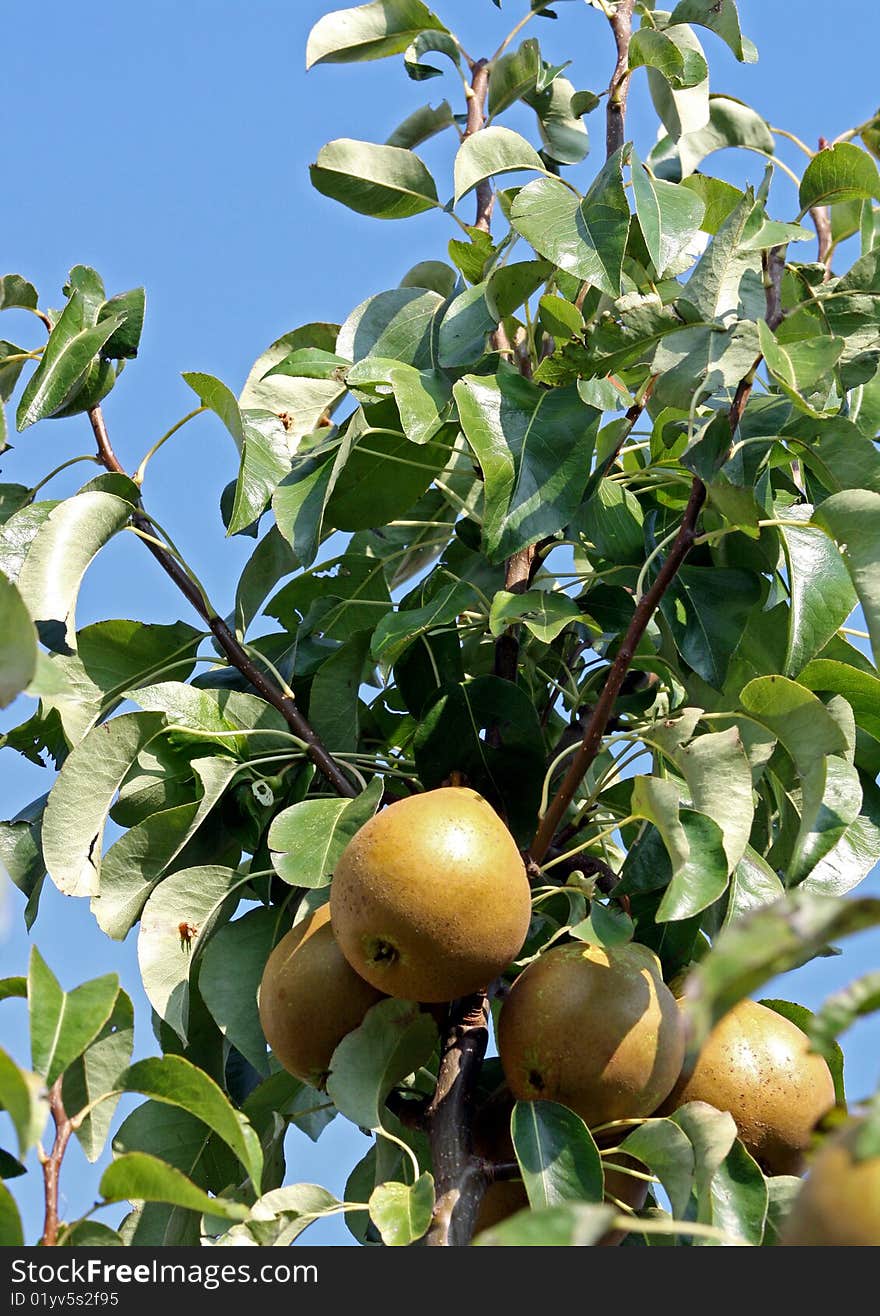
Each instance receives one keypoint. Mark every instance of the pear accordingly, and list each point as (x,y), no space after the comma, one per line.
(430,899)
(839,1203)
(758,1065)
(595,1029)
(310,998)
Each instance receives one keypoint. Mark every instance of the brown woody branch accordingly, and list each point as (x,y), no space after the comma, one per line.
(52,1164)
(618,89)
(476,118)
(227,641)
(459,1176)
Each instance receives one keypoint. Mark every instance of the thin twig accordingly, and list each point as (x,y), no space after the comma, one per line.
(618,88)
(52,1164)
(234,651)
(459,1176)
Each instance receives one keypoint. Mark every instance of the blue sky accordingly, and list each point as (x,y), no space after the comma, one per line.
(167,144)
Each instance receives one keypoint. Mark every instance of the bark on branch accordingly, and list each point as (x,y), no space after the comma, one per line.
(52,1164)
(476,118)
(618,89)
(459,1176)
(227,641)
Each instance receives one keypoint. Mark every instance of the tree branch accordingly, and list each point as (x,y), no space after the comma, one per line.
(476,118)
(459,1175)
(518,577)
(618,88)
(595,730)
(52,1164)
(227,641)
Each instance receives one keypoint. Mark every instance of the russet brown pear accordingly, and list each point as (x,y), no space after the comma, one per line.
(839,1204)
(310,998)
(430,899)
(758,1066)
(594,1029)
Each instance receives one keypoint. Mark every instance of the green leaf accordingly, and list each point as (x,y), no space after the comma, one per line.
(514,75)
(682,103)
(796,717)
(64,1023)
(397,630)
(489,153)
(680,65)
(399,324)
(722,18)
(534,448)
(557,1156)
(831,798)
(18,643)
(816,614)
(469,319)
(707,609)
(131,306)
(422,125)
(443,43)
(572,1225)
(563,134)
(10,988)
(694,843)
(334,699)
(89,1233)
(265,461)
(854,855)
(307,839)
(137,1177)
(715,288)
(585,238)
(76,812)
(401,1212)
(839,173)
(64,546)
(345,595)
(96,1073)
(272,559)
(217,397)
(172,1080)
(422,396)
(852,518)
(861,690)
(717,771)
(669,215)
(739,1197)
(232,998)
(560,318)
(803,369)
(193,898)
(394,1040)
(666,1150)
(488,729)
(383,476)
(16,291)
(543,613)
(279,1217)
(23,1097)
(612,521)
(372,31)
(136,863)
(386,182)
(11,1232)
(72,344)
(765,943)
(731,123)
(752,885)
(300,501)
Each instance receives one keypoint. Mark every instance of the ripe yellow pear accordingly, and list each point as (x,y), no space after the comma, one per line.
(594,1029)
(839,1204)
(758,1066)
(310,998)
(430,899)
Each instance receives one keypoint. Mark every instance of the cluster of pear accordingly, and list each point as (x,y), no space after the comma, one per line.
(430,902)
